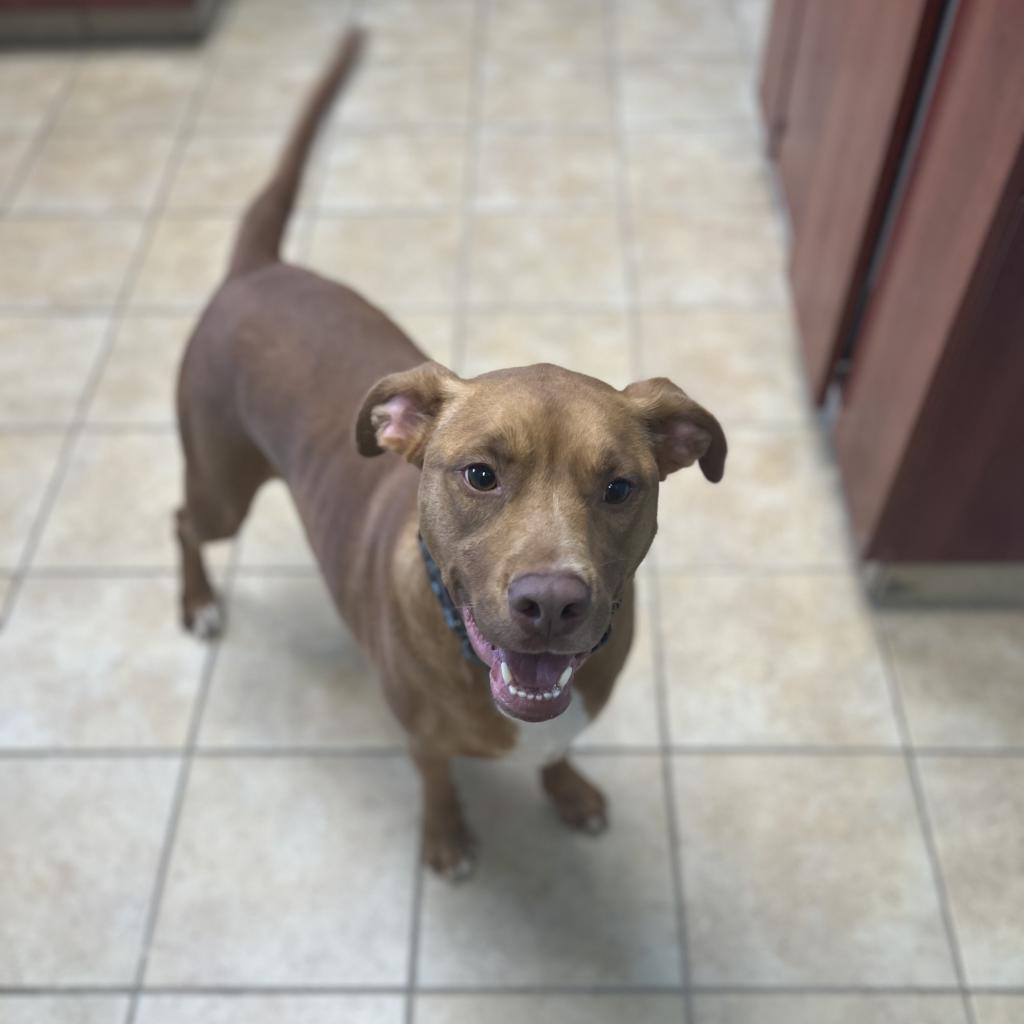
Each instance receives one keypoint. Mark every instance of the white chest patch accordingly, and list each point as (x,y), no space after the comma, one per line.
(546,742)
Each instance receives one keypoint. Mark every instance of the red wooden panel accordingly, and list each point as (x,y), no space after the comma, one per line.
(921,342)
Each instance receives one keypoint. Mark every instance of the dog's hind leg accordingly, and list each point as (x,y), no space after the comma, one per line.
(216,503)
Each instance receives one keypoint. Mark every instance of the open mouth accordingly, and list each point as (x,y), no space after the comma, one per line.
(530,687)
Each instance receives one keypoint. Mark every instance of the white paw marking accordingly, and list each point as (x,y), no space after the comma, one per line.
(461,870)
(208,621)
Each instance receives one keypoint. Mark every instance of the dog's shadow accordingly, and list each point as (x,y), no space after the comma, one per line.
(550,905)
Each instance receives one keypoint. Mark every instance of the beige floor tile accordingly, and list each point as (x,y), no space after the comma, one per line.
(15,144)
(684,260)
(978,813)
(679,91)
(132,88)
(596,344)
(115,504)
(754,17)
(301,29)
(411,30)
(578,1009)
(395,170)
(631,715)
(567,94)
(772,660)
(999,1009)
(272,534)
(701,27)
(44,364)
(807,871)
(720,169)
(742,364)
(250,90)
(98,172)
(30,85)
(184,262)
(960,675)
(545,168)
(568,28)
(433,333)
(271,1009)
(290,872)
(63,1009)
(827,1009)
(526,257)
(778,506)
(393,260)
(290,674)
(27,462)
(400,94)
(123,674)
(557,907)
(138,380)
(223,173)
(57,262)
(79,859)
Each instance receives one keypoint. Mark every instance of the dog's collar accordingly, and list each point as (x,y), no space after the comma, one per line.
(453,617)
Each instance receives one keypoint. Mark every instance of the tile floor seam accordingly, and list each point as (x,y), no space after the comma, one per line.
(925,824)
(181,135)
(39,139)
(92,380)
(600,750)
(457,341)
(177,804)
(630,272)
(611,991)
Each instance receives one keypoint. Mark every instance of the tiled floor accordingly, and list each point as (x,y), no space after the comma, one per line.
(818,810)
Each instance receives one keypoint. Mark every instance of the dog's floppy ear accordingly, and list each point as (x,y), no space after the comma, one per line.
(681,431)
(399,411)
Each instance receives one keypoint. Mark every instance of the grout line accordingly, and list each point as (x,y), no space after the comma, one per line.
(178,309)
(675,750)
(470,186)
(910,758)
(116,312)
(177,806)
(634,334)
(39,139)
(200,991)
(182,133)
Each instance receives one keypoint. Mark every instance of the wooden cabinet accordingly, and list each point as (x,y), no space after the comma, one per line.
(898,131)
(69,20)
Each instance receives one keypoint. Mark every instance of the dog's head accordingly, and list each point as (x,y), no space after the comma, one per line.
(538,500)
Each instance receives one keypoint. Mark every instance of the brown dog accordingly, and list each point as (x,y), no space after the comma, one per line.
(534,490)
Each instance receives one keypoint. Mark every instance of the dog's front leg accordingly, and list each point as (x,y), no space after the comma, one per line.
(448,845)
(579,803)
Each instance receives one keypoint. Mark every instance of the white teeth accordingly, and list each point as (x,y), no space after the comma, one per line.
(505,673)
(565,677)
(547,695)
(513,689)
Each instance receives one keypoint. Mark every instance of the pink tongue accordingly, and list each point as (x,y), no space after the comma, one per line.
(538,671)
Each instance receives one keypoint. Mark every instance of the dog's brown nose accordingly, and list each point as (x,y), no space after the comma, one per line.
(548,604)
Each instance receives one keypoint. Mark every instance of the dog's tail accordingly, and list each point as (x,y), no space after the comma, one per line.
(263,226)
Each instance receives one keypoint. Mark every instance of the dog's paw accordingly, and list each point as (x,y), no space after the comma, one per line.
(205,622)
(453,857)
(579,803)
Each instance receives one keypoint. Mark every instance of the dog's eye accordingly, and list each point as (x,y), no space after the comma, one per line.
(480,477)
(618,491)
